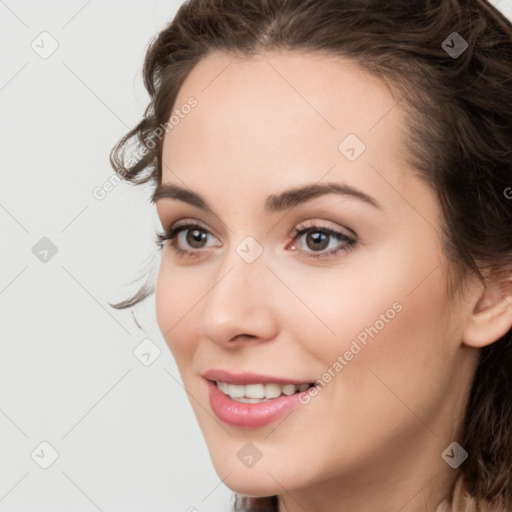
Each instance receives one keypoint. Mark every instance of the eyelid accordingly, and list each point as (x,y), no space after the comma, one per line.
(190,223)
(187,222)
(323,226)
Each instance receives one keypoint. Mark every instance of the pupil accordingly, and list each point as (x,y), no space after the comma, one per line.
(195,237)
(320,240)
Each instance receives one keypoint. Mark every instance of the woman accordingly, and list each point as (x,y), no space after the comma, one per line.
(334,180)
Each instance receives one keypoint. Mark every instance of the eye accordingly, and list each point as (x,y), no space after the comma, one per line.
(183,235)
(315,239)
(188,239)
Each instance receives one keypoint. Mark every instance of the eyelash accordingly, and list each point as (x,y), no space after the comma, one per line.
(172,233)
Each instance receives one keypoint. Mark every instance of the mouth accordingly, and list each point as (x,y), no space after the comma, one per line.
(258,393)
(252,400)
(254,405)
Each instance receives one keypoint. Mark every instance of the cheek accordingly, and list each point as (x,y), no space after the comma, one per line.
(406,360)
(340,309)
(175,297)
(389,318)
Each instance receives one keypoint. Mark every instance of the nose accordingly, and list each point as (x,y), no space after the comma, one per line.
(241,303)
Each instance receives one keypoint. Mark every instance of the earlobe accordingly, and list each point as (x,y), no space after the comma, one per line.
(491,317)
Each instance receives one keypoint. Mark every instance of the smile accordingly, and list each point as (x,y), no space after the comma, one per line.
(258,393)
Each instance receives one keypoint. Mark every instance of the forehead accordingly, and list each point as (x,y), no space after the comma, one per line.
(279,118)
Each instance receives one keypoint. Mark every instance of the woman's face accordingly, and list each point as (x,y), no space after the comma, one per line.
(364,314)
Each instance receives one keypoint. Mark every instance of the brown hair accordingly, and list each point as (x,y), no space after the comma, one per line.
(459,142)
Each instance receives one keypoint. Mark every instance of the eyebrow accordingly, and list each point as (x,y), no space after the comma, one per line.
(275,202)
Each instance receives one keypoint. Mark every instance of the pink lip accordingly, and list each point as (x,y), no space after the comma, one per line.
(249,378)
(239,414)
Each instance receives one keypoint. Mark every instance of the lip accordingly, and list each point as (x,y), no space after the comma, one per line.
(240,414)
(248,378)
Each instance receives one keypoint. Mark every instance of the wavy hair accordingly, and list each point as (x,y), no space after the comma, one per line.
(459,141)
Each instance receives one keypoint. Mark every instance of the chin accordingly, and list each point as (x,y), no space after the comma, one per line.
(261,480)
(247,486)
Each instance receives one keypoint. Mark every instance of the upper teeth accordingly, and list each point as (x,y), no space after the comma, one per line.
(260,390)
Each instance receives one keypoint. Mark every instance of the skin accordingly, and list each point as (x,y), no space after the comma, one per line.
(372,438)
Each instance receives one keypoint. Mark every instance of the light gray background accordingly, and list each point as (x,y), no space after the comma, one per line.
(125,434)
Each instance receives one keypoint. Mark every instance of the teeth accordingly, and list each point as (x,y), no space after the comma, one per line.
(289,389)
(254,393)
(249,400)
(272,390)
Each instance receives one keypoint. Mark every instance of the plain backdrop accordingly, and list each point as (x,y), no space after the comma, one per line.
(124,432)
(92,412)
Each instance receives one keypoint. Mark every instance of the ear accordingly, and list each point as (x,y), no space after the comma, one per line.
(491,317)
